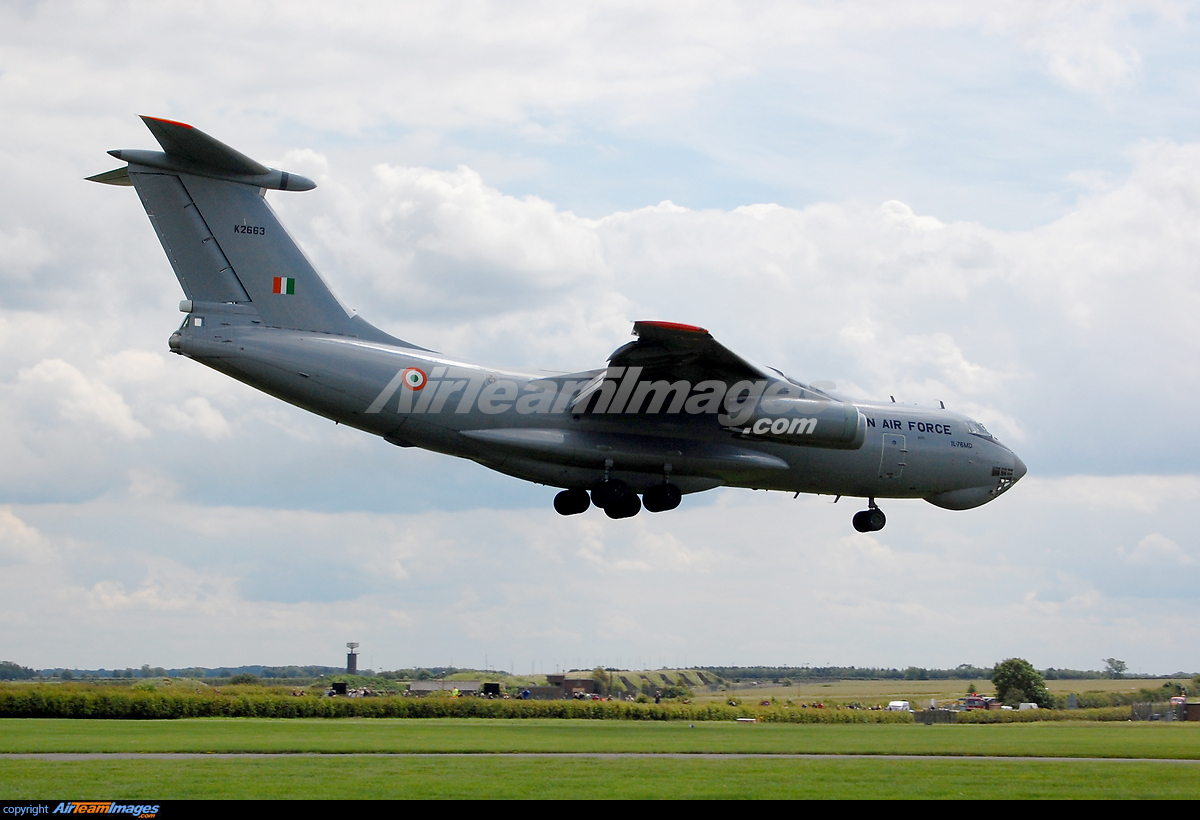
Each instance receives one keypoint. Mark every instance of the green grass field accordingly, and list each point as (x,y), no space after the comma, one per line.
(446,735)
(666,778)
(393,765)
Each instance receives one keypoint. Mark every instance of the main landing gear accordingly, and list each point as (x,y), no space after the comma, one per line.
(572,502)
(870,520)
(661,498)
(618,500)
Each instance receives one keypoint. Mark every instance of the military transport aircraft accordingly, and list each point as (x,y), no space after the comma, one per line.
(673,412)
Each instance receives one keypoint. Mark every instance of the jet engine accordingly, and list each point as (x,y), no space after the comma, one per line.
(805,422)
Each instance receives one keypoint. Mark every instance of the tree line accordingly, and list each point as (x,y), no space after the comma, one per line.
(963,671)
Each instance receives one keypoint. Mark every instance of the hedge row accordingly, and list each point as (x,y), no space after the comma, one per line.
(127,704)
(1107,713)
(57,702)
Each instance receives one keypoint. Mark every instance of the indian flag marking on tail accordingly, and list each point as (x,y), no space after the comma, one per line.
(284,285)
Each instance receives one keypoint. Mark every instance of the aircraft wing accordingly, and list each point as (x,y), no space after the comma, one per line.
(672,351)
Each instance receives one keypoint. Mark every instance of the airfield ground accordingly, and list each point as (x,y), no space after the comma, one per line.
(573,758)
(918,692)
(385,758)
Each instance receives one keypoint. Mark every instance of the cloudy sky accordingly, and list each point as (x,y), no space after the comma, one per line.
(998,208)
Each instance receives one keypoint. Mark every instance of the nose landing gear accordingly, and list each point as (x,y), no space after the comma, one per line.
(870,520)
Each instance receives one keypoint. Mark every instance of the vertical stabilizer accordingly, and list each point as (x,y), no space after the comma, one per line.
(203,270)
(206,202)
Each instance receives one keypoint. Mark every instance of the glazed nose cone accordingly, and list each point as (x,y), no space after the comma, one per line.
(1019,469)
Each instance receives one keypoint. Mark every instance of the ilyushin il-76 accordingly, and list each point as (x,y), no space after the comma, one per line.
(673,412)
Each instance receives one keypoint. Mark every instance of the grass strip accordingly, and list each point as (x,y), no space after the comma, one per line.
(1134,740)
(523,778)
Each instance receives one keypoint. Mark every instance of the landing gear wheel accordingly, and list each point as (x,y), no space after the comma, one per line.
(611,491)
(627,507)
(571,502)
(860,521)
(876,519)
(872,520)
(661,498)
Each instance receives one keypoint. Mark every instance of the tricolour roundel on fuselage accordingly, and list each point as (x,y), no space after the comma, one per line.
(414,378)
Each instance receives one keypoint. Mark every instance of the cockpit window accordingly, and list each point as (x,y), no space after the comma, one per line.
(977,429)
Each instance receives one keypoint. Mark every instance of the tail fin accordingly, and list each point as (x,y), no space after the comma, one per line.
(206,202)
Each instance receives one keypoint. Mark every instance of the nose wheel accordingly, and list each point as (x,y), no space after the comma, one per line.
(870,520)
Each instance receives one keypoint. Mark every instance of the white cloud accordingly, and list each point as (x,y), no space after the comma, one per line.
(474,243)
(80,399)
(196,415)
(131,367)
(1086,45)
(21,543)
(507,65)
(1146,494)
(1156,548)
(22,250)
(150,483)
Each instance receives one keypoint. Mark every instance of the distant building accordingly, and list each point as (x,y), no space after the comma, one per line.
(570,687)
(430,687)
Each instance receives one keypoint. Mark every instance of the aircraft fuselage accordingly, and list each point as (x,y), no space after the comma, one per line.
(524,424)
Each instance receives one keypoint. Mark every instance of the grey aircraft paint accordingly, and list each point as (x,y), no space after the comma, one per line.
(673,412)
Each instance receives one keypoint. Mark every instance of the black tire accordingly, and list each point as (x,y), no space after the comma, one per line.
(627,507)
(572,502)
(612,491)
(860,521)
(875,520)
(661,498)
(652,500)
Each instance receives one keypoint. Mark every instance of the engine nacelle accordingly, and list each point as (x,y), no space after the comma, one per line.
(806,422)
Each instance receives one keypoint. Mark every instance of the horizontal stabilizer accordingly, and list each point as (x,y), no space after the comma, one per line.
(117,176)
(182,141)
(188,150)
